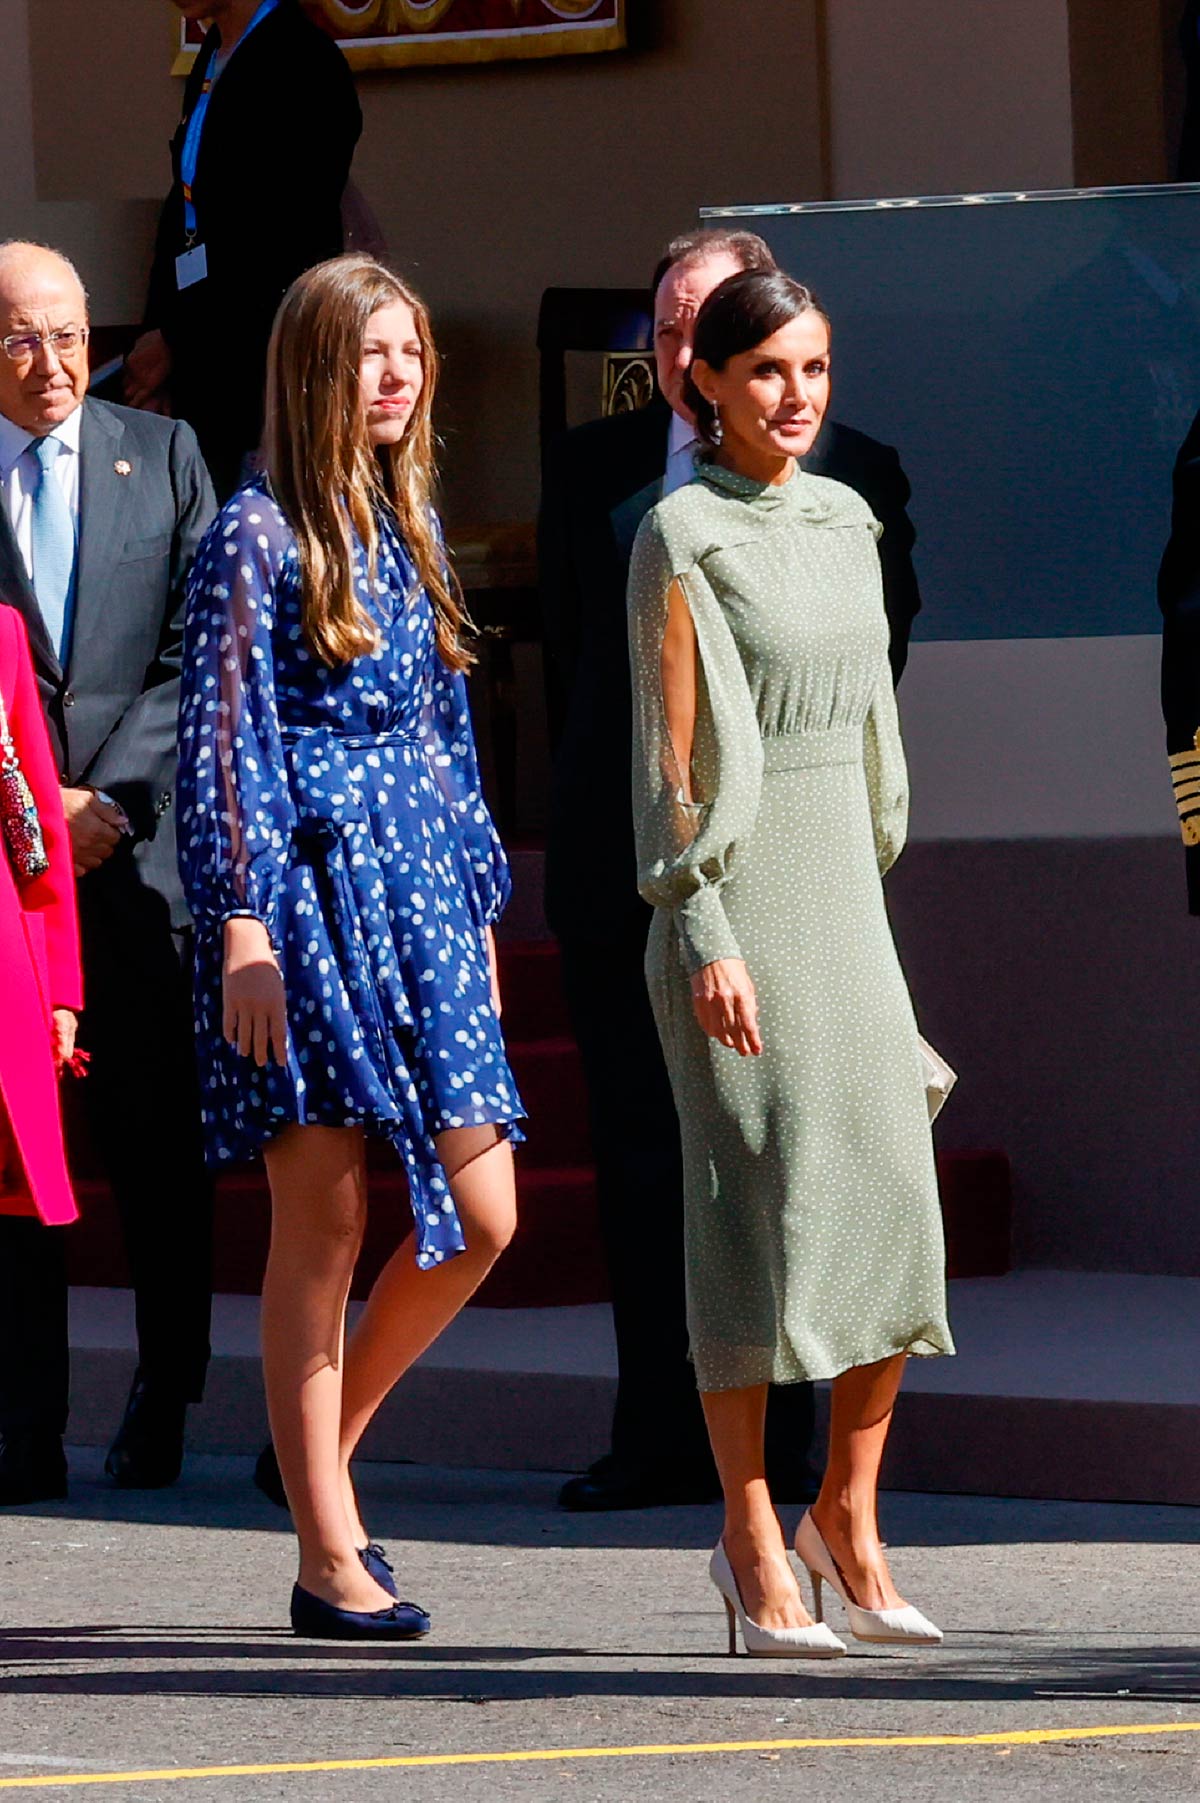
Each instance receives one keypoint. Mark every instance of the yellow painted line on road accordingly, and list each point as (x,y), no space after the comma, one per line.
(1020,1737)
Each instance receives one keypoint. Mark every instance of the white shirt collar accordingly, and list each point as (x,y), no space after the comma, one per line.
(15,440)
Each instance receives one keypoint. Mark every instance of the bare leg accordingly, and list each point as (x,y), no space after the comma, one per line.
(846,1511)
(752,1534)
(318,1211)
(408,1308)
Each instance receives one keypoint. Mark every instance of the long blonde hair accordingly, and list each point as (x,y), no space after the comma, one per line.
(326,474)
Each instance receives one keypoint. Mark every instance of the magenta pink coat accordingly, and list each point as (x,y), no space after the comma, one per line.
(39,947)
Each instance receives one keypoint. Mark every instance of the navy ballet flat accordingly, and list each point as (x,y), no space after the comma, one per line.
(314,1619)
(375,1564)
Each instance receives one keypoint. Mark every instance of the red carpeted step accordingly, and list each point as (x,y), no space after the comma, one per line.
(532,991)
(977,1209)
(555,1258)
(549,1074)
(94,1250)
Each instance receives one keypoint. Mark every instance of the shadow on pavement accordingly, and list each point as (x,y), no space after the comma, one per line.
(417,1503)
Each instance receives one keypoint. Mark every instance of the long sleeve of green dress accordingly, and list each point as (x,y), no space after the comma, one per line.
(686,848)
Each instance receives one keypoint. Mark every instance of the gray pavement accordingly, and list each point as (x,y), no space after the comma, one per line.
(148,1631)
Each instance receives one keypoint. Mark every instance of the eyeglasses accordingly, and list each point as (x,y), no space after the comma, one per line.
(21,347)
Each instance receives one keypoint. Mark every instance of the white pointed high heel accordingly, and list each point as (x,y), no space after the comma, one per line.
(815,1642)
(906,1626)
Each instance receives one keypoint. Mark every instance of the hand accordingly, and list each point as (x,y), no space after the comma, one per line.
(494,969)
(726,1006)
(255,1015)
(95,828)
(147,373)
(62,1038)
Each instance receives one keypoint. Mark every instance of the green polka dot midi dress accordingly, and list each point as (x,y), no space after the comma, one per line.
(813,1231)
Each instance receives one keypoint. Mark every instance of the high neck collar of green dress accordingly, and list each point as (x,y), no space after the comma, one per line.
(798,492)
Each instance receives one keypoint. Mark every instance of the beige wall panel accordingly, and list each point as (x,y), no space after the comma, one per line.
(493,183)
(16,112)
(108,237)
(105,104)
(948,96)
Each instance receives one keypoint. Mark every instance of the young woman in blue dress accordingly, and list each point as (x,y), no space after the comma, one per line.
(344,877)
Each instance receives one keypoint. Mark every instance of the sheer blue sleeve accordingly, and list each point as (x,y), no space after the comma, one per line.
(236,816)
(450,747)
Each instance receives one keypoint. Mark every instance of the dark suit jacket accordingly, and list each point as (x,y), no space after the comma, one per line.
(1179,598)
(1189,145)
(598,486)
(874,471)
(275,157)
(112,711)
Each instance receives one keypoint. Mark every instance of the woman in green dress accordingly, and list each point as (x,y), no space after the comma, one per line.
(770,794)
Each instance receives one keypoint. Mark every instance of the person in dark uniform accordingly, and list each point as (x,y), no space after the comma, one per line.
(599,485)
(1179,599)
(1189,144)
(261,160)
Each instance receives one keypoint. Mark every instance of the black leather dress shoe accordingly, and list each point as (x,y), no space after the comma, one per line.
(611,1485)
(147,1453)
(32,1467)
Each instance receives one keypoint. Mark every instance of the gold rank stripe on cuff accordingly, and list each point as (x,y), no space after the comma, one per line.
(1185,775)
(1187,800)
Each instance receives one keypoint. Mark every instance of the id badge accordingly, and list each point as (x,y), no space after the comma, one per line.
(191,266)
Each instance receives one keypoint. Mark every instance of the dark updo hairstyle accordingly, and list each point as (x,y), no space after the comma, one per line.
(739,314)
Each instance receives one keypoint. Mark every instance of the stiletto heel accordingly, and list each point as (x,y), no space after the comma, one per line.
(817,1582)
(815,1642)
(879,1626)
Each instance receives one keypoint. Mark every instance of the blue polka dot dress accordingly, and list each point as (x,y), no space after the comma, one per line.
(342,808)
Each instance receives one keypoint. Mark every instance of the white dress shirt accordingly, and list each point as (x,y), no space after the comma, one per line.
(683,442)
(20,474)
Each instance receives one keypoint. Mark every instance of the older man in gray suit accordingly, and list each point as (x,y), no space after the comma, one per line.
(101,509)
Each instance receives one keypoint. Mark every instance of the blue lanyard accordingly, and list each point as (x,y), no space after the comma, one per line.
(190,155)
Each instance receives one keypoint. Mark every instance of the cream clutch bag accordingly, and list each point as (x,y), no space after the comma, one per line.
(939,1078)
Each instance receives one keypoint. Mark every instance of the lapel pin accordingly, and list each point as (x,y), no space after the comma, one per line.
(123,467)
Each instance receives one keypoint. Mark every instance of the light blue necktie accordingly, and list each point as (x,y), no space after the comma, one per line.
(53,546)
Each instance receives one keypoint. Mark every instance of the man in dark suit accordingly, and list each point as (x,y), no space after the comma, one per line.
(101,510)
(1179,599)
(1189,143)
(598,486)
(261,160)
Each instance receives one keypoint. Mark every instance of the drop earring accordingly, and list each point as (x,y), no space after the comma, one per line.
(717,429)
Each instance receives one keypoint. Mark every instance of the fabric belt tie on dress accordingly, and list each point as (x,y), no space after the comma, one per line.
(325,796)
(814,749)
(332,810)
